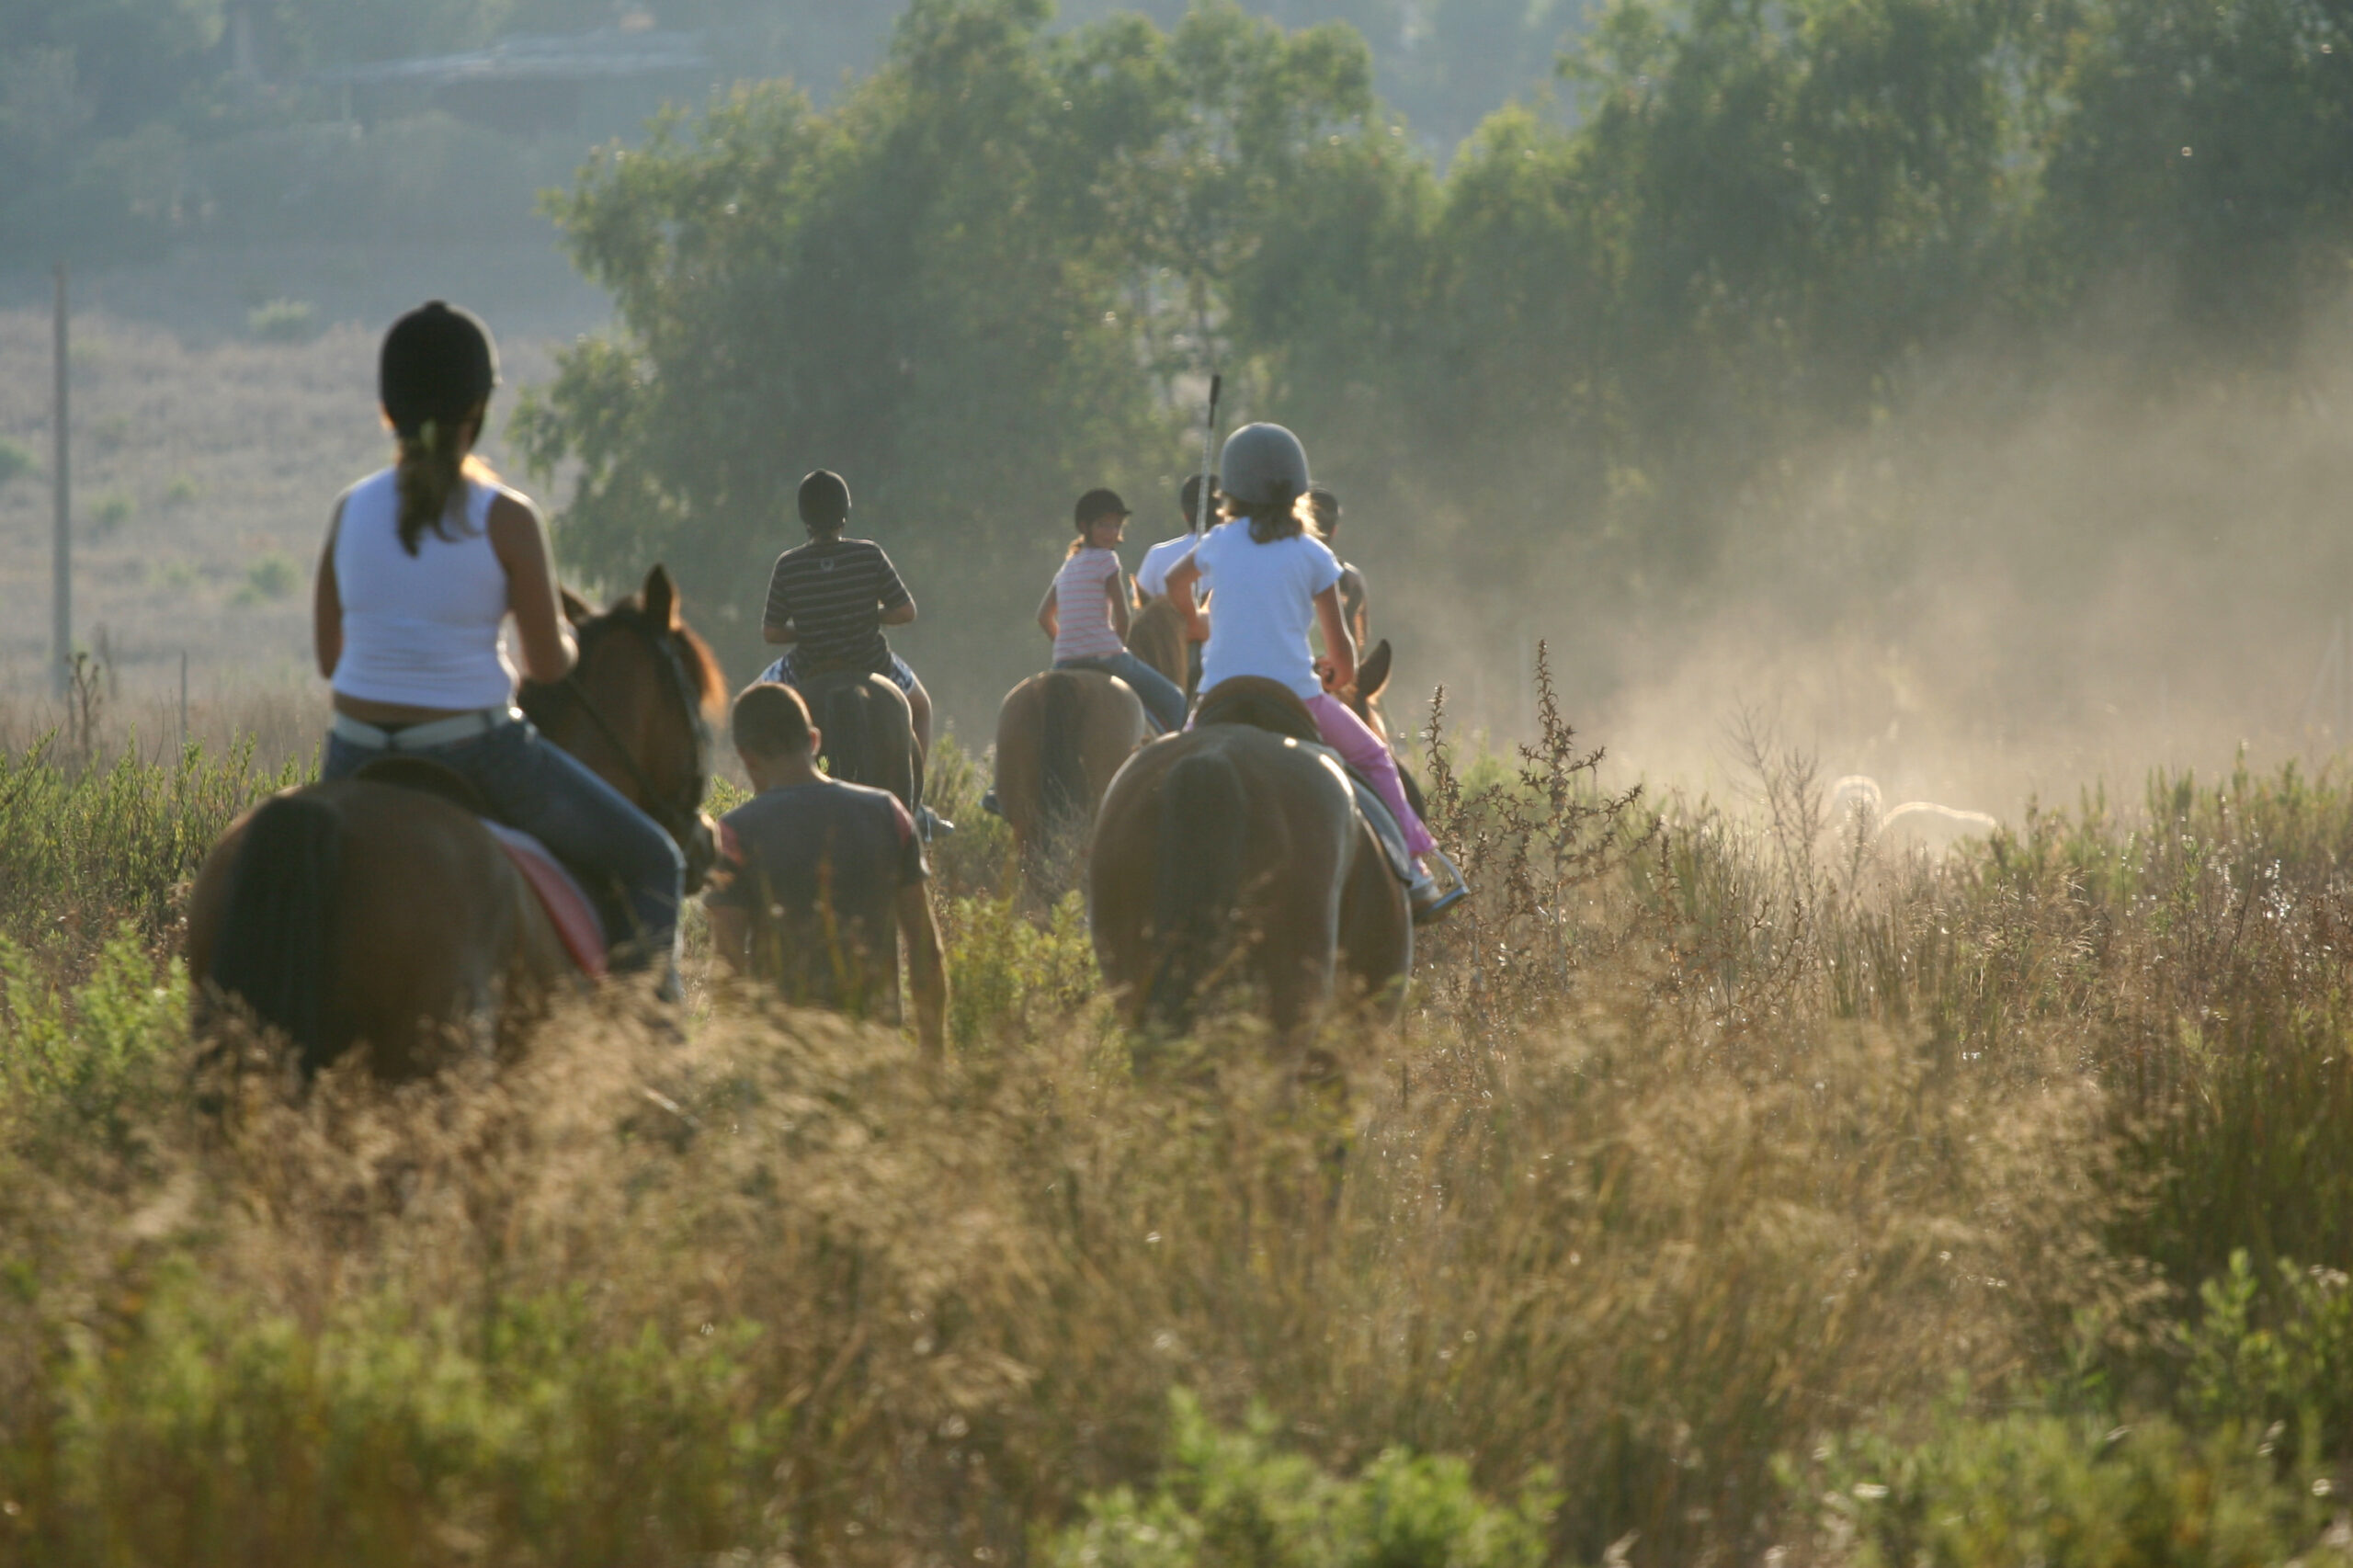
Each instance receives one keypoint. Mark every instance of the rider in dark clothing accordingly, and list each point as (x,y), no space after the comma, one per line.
(1355,608)
(828,602)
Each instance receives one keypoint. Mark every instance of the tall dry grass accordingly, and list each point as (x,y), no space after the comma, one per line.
(1734,1193)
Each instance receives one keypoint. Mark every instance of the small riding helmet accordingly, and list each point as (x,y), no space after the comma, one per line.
(1263,465)
(438,362)
(824,500)
(1097,504)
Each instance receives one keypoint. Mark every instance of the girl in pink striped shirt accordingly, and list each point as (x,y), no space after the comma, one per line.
(1085,610)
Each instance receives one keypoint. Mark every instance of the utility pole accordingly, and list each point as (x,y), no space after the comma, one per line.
(61,556)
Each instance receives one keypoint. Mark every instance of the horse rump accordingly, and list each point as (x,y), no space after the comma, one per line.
(848,751)
(276,949)
(1197,881)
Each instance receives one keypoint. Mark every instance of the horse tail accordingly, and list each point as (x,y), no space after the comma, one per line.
(1198,879)
(845,723)
(277,931)
(1061,769)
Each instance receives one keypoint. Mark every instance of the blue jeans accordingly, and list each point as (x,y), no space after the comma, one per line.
(545,791)
(1162,698)
(898,673)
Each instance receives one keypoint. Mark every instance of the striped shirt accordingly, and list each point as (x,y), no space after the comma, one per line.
(1083,590)
(833,593)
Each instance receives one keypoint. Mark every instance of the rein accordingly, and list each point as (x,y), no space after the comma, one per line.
(678,818)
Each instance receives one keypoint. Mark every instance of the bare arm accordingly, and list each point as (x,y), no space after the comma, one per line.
(1115,587)
(926,969)
(521,545)
(1340,648)
(327,603)
(731,935)
(1050,612)
(899,615)
(1181,579)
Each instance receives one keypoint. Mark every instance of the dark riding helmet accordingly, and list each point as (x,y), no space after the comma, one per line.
(437,362)
(1097,504)
(824,500)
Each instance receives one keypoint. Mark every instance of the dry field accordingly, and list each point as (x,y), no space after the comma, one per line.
(1735,1193)
(204,464)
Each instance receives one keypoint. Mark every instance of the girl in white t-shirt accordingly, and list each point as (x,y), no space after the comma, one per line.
(1085,610)
(1273,580)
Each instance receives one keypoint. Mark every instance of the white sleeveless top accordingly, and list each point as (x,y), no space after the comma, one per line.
(420,630)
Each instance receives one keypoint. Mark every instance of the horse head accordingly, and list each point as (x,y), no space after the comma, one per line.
(639,707)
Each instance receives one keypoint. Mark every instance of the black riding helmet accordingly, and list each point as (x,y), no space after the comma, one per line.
(824,502)
(438,362)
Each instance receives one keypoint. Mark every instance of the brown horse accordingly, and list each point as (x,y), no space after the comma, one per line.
(870,733)
(380,915)
(1233,856)
(1060,737)
(1157,635)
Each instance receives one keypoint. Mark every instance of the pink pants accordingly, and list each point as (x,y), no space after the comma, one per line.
(1364,750)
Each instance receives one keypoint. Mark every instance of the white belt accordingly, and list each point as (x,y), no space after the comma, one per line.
(425,737)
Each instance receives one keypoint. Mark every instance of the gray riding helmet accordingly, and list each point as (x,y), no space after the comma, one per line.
(1263,465)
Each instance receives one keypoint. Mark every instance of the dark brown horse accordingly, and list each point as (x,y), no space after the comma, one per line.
(376,913)
(1060,737)
(870,733)
(1157,635)
(1234,857)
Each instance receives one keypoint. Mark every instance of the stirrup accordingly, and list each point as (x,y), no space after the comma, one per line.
(1427,902)
(930,824)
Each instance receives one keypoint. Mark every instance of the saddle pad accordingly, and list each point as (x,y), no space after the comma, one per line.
(568,908)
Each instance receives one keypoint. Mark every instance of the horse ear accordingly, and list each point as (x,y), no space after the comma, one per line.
(1373,672)
(575,609)
(662,598)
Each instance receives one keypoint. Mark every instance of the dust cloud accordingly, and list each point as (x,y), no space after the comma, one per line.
(2021,584)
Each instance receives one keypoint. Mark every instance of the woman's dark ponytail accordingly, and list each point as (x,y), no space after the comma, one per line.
(430,473)
(434,377)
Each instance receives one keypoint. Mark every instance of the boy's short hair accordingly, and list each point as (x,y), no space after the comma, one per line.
(770,720)
(1326,507)
(1188,498)
(824,500)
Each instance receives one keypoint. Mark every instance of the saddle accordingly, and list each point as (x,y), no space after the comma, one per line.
(1269,705)
(569,907)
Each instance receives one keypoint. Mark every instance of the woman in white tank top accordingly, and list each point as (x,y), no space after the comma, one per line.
(423,563)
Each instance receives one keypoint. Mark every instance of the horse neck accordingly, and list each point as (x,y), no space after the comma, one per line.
(625,692)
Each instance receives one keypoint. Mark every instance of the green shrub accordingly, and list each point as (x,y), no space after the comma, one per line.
(1009,975)
(271,579)
(1234,1500)
(86,851)
(2255,1356)
(2071,1492)
(200,1432)
(111,510)
(86,1069)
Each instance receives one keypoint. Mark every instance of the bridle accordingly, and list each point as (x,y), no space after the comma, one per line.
(680,816)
